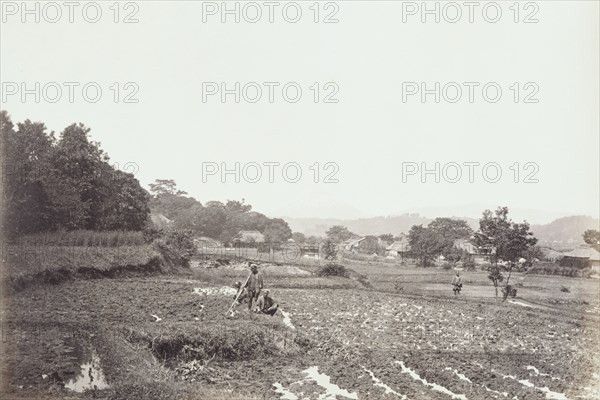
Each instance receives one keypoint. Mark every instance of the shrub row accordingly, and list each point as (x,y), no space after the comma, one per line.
(84,238)
(333,270)
(549,268)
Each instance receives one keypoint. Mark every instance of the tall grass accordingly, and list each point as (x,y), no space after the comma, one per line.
(84,239)
(33,259)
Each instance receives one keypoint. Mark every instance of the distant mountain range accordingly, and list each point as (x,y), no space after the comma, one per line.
(565,232)
(562,233)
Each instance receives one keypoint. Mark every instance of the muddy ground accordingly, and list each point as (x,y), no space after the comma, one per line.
(168,337)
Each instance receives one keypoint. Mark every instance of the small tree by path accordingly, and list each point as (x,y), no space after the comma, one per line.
(330,250)
(502,239)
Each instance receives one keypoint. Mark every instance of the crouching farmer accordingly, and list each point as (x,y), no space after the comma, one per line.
(241,293)
(266,304)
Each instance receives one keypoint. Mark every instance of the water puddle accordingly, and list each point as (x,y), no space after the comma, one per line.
(462,377)
(332,390)
(287,320)
(523,304)
(505,394)
(156,318)
(537,372)
(378,383)
(433,386)
(285,394)
(549,393)
(595,310)
(552,395)
(224,291)
(90,376)
(520,303)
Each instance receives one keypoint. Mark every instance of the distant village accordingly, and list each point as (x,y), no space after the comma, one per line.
(388,249)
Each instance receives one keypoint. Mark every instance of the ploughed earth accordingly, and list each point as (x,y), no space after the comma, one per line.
(333,338)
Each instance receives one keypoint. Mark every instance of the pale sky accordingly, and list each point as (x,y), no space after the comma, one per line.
(368,134)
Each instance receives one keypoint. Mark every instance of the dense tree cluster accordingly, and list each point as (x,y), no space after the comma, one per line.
(339,234)
(437,239)
(64,183)
(214,219)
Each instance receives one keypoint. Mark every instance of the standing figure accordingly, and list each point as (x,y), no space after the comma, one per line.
(456,283)
(254,285)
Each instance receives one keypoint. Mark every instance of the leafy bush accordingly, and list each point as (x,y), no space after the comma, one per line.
(509,290)
(358,257)
(151,233)
(221,342)
(333,270)
(577,263)
(550,268)
(469,264)
(176,246)
(565,289)
(447,265)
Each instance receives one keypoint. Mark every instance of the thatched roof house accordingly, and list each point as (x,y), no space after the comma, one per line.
(398,248)
(586,256)
(584,252)
(352,244)
(160,221)
(250,237)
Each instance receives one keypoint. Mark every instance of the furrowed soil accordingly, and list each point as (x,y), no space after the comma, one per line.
(384,332)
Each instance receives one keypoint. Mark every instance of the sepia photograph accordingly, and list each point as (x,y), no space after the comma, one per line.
(300,200)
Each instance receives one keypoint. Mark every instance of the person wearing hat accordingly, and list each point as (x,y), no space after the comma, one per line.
(265,304)
(254,285)
(457,283)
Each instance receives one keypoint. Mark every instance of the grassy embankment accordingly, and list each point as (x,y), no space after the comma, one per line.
(57,257)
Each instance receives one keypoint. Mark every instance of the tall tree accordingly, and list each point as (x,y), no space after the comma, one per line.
(299,237)
(208,221)
(592,237)
(173,205)
(26,163)
(339,233)
(126,207)
(387,238)
(451,229)
(425,244)
(80,164)
(235,212)
(277,231)
(165,186)
(448,231)
(503,239)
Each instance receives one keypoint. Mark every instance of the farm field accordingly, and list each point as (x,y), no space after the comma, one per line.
(167,336)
